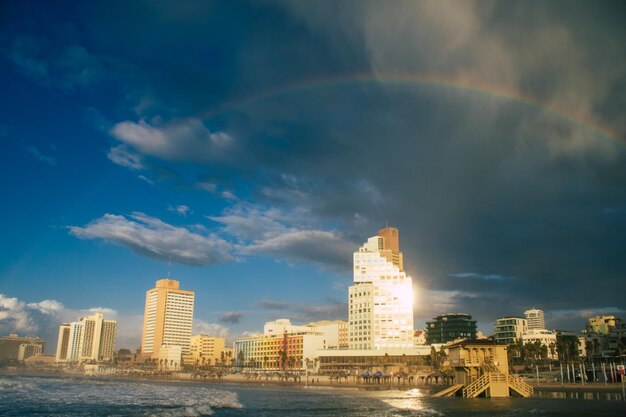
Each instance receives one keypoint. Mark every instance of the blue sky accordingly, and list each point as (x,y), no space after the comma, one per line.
(255,145)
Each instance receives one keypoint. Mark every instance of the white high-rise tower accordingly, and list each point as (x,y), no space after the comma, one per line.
(381,299)
(535,319)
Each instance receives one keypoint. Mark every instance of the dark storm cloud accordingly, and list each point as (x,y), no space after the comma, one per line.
(230,318)
(477,183)
(305,312)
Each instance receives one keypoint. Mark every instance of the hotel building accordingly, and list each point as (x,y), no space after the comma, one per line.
(168,318)
(91,338)
(380,307)
(16,348)
(534,319)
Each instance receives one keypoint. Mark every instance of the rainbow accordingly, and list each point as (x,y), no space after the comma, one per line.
(420,80)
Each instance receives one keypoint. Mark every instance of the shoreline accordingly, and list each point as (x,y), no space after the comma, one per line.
(315,382)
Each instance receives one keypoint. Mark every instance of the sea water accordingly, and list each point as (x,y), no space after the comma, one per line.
(56,396)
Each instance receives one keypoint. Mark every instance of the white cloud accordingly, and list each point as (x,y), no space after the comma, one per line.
(229,196)
(145,179)
(157,239)
(42,319)
(181,209)
(210,329)
(206,186)
(186,139)
(123,156)
(272,232)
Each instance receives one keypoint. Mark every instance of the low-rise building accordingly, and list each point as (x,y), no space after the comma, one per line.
(546,338)
(278,351)
(206,351)
(169,358)
(357,361)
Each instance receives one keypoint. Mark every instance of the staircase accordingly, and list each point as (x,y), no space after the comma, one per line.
(448,392)
(519,386)
(493,377)
(474,389)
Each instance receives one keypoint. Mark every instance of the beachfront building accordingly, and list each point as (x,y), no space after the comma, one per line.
(335,332)
(380,303)
(168,318)
(355,362)
(206,350)
(16,348)
(450,327)
(508,330)
(90,339)
(292,349)
(545,337)
(169,358)
(535,319)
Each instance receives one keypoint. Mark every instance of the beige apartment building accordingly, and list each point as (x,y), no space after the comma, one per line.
(168,318)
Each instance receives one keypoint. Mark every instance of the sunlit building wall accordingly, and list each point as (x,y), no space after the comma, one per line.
(168,317)
(289,351)
(206,350)
(380,307)
(63,342)
(509,330)
(91,338)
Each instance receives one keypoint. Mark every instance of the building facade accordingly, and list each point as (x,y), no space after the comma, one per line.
(206,350)
(289,351)
(90,339)
(602,324)
(535,319)
(380,304)
(450,327)
(508,330)
(545,337)
(168,318)
(16,348)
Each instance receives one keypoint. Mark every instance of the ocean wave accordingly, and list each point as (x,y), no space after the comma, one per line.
(192,411)
(137,397)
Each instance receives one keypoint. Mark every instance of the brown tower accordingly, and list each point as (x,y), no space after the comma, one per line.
(391,249)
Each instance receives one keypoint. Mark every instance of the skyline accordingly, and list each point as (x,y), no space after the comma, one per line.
(259,144)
